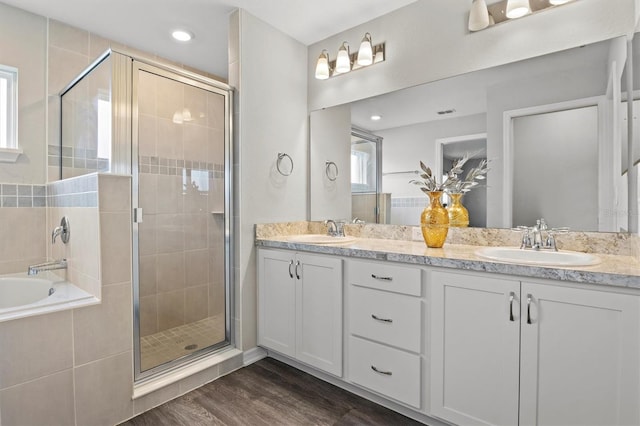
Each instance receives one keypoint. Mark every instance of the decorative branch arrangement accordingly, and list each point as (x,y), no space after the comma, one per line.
(452,184)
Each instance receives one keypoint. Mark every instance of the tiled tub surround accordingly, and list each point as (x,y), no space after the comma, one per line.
(619,267)
(23,219)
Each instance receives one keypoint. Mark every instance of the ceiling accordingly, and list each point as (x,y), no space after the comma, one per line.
(146,24)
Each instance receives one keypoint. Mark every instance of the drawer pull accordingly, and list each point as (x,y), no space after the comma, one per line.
(386,373)
(529,297)
(381,319)
(381,278)
(297,266)
(290,265)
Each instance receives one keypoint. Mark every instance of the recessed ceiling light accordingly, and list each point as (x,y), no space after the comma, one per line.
(376,117)
(182,35)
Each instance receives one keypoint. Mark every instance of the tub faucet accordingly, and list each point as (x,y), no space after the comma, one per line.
(47,266)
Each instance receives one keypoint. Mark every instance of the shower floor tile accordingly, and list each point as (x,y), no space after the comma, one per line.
(167,345)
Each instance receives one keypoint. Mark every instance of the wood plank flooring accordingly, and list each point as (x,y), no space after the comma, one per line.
(269,392)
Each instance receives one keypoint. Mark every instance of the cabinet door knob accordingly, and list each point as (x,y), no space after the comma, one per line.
(381,319)
(512,296)
(386,373)
(297,272)
(529,297)
(378,277)
(290,272)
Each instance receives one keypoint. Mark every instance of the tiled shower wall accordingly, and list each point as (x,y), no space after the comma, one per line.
(181,192)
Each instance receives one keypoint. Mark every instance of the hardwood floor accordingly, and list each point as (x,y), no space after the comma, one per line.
(269,392)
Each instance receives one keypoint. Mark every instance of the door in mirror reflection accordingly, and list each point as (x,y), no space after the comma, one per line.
(555,169)
(367,203)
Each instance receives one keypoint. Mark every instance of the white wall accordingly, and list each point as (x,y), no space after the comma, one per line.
(23,44)
(270,117)
(428,40)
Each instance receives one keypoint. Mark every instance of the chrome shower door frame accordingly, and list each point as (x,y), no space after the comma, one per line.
(143,65)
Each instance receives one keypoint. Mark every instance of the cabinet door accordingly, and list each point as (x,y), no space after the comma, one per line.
(474,349)
(276,301)
(579,357)
(319,312)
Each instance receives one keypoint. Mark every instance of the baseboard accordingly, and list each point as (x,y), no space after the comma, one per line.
(253,355)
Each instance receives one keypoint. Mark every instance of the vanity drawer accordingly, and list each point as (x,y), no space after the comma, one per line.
(382,276)
(398,374)
(389,318)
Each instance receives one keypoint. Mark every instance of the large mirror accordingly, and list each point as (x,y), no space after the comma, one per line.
(551,127)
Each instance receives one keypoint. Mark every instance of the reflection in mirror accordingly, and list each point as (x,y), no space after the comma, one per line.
(368,203)
(475,148)
(495,100)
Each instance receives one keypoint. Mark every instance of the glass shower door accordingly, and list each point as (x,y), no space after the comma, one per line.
(181,228)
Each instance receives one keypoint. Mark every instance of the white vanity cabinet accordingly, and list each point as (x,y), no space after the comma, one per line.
(300,307)
(385,329)
(506,352)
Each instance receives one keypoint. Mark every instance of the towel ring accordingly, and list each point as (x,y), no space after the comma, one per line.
(282,155)
(327,170)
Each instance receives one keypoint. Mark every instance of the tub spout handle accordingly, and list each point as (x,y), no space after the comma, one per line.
(64,230)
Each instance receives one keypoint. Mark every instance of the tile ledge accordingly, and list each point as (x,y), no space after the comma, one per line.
(9,155)
(151,385)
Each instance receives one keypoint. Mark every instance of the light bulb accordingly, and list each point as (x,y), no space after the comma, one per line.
(322,66)
(517,8)
(343,61)
(365,53)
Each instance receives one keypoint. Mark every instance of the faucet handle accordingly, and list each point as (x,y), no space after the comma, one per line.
(526,236)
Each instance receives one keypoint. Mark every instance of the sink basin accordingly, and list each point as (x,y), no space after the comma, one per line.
(534,257)
(320,239)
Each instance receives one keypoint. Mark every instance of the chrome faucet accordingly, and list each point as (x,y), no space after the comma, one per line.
(47,266)
(334,229)
(535,238)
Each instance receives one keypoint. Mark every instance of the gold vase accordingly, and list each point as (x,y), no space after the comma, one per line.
(434,221)
(458,214)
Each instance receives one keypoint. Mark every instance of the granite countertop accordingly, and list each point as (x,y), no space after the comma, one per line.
(614,270)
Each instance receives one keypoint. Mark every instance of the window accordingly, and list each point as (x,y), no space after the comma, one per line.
(359,167)
(8,114)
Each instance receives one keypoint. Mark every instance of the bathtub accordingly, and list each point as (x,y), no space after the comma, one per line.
(22,295)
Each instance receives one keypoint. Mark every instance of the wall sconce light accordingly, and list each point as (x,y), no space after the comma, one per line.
(322,66)
(365,53)
(478,16)
(517,8)
(482,16)
(345,61)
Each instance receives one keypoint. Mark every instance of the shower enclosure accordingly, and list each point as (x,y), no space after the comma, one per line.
(170,129)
